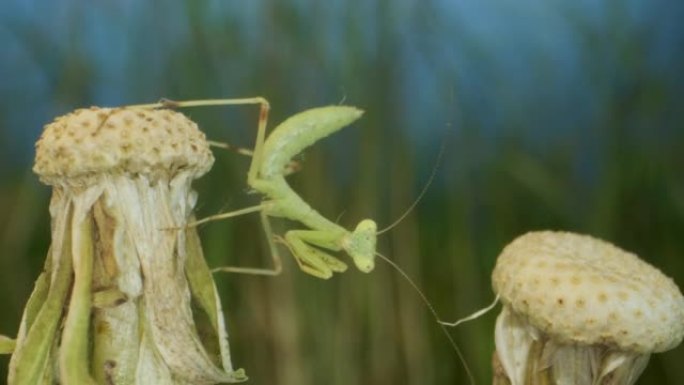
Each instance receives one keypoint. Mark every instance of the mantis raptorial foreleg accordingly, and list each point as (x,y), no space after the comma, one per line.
(312,260)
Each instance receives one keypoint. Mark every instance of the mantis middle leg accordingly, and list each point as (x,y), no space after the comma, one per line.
(266,224)
(275,257)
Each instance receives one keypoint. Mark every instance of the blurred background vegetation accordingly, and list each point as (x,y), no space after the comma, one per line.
(555,115)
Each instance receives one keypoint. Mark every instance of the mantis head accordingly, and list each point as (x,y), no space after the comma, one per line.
(360,245)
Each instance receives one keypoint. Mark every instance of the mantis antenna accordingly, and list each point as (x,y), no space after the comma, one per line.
(428,304)
(413,205)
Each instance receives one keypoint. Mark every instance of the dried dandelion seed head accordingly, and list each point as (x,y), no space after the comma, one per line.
(578,310)
(123,299)
(88,143)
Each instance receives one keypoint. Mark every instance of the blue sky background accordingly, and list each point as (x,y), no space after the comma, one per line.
(546,67)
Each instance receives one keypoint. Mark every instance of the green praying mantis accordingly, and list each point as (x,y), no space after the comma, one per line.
(271,162)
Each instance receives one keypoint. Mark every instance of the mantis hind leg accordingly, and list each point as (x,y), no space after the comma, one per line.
(261,128)
(310,259)
(277,261)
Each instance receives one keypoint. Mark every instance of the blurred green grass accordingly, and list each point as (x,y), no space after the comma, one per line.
(511,165)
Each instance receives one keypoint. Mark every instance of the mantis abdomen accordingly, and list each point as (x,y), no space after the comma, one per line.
(301,131)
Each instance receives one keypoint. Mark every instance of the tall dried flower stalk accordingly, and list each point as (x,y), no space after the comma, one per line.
(124,298)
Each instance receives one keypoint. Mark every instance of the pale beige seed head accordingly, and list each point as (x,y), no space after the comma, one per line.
(88,142)
(579,289)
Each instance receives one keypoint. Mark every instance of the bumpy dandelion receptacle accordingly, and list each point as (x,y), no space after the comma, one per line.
(124,298)
(579,311)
